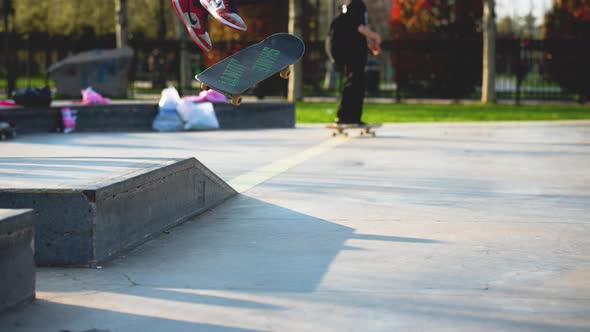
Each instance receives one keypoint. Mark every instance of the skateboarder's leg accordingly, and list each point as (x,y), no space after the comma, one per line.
(225,12)
(353,95)
(194,17)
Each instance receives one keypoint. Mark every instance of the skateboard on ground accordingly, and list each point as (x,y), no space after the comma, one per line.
(366,129)
(237,73)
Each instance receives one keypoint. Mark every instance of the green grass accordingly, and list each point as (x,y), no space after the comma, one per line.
(383,113)
(23,82)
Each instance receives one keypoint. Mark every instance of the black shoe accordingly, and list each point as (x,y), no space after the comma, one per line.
(342,122)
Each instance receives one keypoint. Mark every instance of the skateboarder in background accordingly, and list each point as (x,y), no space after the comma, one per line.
(193,13)
(360,39)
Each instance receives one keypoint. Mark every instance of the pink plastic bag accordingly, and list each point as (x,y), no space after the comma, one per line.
(69,119)
(8,103)
(90,97)
(209,95)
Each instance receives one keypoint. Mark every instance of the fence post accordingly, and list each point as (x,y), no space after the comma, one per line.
(398,96)
(48,52)
(29,59)
(519,73)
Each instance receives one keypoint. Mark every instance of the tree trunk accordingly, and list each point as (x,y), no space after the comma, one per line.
(330,77)
(162,21)
(9,55)
(121,22)
(186,74)
(296,78)
(488,90)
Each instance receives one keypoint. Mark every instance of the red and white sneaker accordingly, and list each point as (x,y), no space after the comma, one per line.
(194,18)
(225,12)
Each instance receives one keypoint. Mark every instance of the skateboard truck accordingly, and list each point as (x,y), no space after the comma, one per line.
(285,73)
(236,100)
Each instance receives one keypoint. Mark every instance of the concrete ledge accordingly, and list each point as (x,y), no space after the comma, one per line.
(17,267)
(138,117)
(89,225)
(256,115)
(127,117)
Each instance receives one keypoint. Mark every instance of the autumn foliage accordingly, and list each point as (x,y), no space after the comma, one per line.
(569,20)
(439,51)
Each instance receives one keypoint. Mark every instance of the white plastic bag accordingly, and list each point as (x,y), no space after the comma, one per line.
(170,98)
(197,115)
(167,119)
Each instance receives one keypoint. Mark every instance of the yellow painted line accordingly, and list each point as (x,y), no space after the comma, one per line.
(251,179)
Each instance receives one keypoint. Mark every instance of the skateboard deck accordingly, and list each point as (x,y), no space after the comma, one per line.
(237,73)
(365,129)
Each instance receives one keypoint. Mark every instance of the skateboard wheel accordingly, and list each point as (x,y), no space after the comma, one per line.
(236,100)
(285,73)
(204,87)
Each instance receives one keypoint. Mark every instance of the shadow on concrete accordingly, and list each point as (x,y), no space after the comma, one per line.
(248,244)
(75,318)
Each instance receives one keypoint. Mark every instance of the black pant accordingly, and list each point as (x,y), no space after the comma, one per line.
(353,93)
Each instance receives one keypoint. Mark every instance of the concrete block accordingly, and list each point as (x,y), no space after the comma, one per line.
(127,117)
(138,117)
(89,225)
(256,115)
(17,267)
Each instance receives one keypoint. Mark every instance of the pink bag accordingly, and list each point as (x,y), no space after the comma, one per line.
(69,119)
(8,103)
(209,95)
(90,97)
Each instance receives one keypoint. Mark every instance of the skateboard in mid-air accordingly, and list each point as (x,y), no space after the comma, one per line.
(237,73)
(366,129)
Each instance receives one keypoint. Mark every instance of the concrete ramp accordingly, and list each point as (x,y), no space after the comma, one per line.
(86,224)
(17,268)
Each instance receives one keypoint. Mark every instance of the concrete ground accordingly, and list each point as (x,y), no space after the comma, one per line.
(440,227)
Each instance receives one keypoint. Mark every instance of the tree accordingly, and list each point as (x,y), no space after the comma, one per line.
(69,18)
(508,28)
(567,34)
(488,89)
(378,16)
(7,10)
(296,78)
(121,22)
(436,49)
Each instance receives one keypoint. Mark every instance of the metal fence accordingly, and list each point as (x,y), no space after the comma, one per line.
(453,69)
(405,69)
